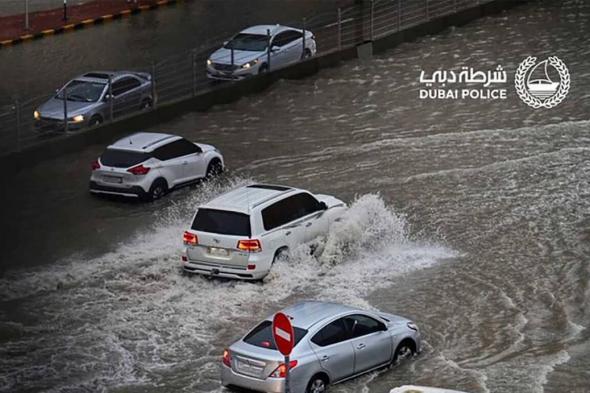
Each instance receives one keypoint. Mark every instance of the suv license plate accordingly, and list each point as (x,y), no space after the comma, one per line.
(220,252)
(113,179)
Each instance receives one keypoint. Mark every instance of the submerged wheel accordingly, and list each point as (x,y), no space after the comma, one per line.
(317,384)
(306,54)
(95,120)
(404,351)
(157,190)
(146,104)
(280,255)
(263,69)
(214,169)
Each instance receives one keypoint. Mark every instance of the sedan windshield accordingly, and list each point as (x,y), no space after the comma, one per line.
(249,42)
(82,91)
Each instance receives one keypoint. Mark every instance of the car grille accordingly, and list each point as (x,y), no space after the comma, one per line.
(225,67)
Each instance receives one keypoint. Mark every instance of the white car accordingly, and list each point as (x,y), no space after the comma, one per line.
(241,233)
(148,165)
(247,53)
(421,389)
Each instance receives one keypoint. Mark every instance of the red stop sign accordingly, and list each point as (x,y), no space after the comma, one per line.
(282,333)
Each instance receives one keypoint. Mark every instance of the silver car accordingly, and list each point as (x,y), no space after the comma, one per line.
(247,53)
(90,99)
(334,343)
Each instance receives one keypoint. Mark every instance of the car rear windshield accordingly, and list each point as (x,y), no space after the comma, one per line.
(248,42)
(222,222)
(122,158)
(261,336)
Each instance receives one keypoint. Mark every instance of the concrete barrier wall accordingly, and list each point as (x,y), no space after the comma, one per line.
(230,92)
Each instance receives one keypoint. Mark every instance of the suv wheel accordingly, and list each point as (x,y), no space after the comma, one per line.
(157,190)
(317,384)
(214,169)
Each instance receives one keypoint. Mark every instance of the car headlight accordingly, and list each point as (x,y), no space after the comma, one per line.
(413,326)
(250,64)
(78,119)
(36,115)
(209,62)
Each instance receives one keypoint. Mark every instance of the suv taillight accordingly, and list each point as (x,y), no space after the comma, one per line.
(250,245)
(226,357)
(139,170)
(95,165)
(281,371)
(190,239)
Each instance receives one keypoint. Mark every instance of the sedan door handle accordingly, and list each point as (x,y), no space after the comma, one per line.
(288,233)
(308,224)
(185,163)
(360,346)
(325,358)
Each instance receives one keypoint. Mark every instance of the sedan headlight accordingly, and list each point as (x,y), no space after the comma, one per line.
(250,64)
(209,62)
(413,326)
(36,115)
(78,119)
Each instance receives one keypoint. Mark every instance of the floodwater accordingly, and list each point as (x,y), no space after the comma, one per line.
(471,217)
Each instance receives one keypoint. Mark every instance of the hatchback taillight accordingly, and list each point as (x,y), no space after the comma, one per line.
(281,371)
(190,239)
(139,170)
(95,165)
(226,357)
(250,245)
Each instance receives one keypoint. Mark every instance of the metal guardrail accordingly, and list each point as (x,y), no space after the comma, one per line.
(183,75)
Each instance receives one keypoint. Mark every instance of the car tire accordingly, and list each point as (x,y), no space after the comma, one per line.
(263,69)
(213,169)
(405,350)
(158,189)
(317,384)
(95,121)
(306,54)
(146,104)
(280,254)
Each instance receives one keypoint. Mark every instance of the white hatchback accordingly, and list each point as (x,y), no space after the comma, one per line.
(148,165)
(241,233)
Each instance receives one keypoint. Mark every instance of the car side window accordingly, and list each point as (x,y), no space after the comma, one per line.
(281,39)
(332,333)
(304,204)
(361,325)
(175,149)
(124,85)
(291,36)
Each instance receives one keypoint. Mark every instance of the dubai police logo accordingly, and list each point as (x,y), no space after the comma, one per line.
(535,87)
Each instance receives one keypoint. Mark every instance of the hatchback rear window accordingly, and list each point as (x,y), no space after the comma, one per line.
(222,222)
(261,335)
(122,158)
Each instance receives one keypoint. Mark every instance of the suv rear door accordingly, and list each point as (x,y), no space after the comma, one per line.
(218,233)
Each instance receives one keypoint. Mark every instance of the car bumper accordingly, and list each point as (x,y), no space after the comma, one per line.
(271,385)
(219,270)
(131,191)
(57,125)
(236,75)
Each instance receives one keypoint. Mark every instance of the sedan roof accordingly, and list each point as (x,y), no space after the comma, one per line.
(307,314)
(143,141)
(261,29)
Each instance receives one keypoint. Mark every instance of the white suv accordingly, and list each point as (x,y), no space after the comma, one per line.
(242,232)
(147,165)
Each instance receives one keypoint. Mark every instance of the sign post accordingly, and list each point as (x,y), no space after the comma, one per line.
(284,336)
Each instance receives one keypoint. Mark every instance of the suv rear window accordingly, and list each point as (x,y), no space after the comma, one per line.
(223,222)
(122,158)
(261,335)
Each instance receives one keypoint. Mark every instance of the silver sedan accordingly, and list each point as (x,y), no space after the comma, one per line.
(93,98)
(334,343)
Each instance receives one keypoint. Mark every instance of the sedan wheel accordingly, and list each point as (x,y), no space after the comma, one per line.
(318,385)
(403,352)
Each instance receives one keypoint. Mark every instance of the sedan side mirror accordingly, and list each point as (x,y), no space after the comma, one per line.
(323,206)
(275,48)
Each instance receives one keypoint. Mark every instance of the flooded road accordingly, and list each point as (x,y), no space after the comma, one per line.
(470,217)
(39,67)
